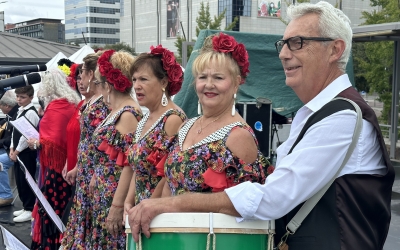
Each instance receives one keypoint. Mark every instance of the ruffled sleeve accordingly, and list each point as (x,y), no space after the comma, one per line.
(159,154)
(115,145)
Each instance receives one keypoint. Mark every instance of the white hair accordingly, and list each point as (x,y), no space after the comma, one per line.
(333,23)
(9,98)
(54,86)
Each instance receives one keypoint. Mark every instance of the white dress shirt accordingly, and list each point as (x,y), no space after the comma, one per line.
(313,162)
(33,118)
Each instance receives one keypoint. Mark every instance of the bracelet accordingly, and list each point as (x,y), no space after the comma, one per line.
(116,206)
(34,145)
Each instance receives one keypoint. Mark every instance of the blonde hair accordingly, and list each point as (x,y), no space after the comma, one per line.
(121,60)
(54,86)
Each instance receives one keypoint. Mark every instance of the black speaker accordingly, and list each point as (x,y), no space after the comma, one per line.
(259,117)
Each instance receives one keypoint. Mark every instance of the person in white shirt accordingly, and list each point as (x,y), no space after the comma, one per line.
(355,211)
(19,147)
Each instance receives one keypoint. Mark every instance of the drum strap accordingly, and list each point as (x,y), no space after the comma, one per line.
(332,107)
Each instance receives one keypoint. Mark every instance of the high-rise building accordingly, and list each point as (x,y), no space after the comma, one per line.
(94,22)
(150,22)
(41,28)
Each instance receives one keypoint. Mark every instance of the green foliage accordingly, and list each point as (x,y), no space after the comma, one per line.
(374,60)
(118,47)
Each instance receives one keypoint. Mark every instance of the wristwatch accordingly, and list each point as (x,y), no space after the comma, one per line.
(34,145)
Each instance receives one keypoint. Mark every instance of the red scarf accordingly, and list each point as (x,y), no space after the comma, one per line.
(53,134)
(74,134)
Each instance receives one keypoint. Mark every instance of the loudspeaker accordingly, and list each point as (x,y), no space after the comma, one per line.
(259,117)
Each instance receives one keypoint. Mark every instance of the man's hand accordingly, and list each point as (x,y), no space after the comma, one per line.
(141,215)
(13,156)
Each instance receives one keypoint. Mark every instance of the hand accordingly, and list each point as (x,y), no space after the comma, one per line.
(13,156)
(113,220)
(141,215)
(92,184)
(127,207)
(64,172)
(71,176)
(31,143)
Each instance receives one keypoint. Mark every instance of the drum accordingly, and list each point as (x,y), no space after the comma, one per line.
(204,231)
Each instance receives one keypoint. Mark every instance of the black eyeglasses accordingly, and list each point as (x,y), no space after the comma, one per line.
(296,42)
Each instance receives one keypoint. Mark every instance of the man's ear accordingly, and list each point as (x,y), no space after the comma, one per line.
(337,50)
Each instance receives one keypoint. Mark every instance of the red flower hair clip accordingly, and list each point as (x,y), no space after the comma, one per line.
(174,70)
(113,76)
(227,44)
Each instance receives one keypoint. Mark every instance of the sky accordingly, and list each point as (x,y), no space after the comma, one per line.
(16,11)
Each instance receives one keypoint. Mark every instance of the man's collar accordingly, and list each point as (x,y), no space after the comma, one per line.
(331,91)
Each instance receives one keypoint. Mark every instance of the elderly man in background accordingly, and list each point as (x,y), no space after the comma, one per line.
(9,107)
(354,213)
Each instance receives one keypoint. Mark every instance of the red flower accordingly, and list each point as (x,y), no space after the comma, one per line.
(168,59)
(175,74)
(224,43)
(270,169)
(157,50)
(240,54)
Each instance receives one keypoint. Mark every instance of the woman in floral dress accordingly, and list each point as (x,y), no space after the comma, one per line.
(156,77)
(111,140)
(79,227)
(216,150)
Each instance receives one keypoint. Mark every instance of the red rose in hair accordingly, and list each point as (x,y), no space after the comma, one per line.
(223,43)
(175,79)
(168,59)
(240,54)
(105,68)
(157,50)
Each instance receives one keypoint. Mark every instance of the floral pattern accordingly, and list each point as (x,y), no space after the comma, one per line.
(111,147)
(79,226)
(149,153)
(209,166)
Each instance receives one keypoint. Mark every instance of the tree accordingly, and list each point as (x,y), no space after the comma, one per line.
(117,47)
(375,62)
(204,21)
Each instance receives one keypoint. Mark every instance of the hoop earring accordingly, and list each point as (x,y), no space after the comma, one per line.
(198,108)
(164,99)
(233,106)
(88,87)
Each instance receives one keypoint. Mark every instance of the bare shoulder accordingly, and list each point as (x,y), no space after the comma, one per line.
(241,143)
(173,124)
(127,123)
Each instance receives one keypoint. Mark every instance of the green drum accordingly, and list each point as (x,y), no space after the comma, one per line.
(191,231)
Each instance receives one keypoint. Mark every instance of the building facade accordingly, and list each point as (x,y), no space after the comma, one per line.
(93,22)
(150,22)
(40,28)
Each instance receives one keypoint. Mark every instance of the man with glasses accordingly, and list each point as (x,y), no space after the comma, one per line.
(355,211)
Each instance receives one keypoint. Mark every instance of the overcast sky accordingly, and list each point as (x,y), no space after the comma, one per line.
(16,11)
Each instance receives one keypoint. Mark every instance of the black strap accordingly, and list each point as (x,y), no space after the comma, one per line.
(327,110)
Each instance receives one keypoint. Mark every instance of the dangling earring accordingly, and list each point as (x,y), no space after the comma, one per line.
(233,107)
(164,99)
(198,108)
(108,98)
(88,87)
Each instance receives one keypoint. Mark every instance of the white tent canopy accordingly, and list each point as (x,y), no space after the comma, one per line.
(53,62)
(80,54)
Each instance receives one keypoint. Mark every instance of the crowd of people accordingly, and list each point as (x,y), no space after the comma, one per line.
(102,160)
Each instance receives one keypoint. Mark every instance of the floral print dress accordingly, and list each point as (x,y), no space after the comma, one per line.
(209,165)
(110,159)
(79,226)
(148,155)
